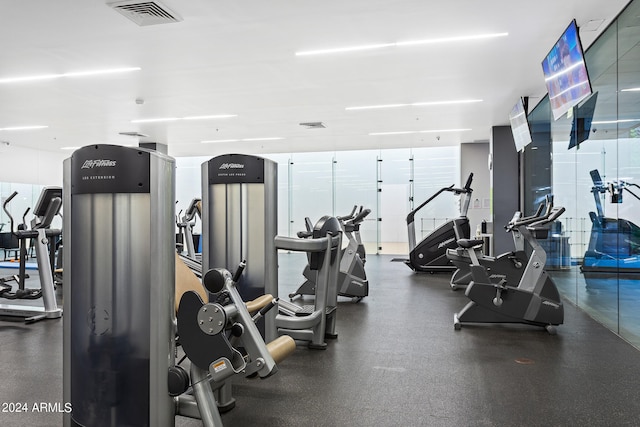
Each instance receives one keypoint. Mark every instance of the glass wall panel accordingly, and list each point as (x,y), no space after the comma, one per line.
(355,185)
(311,183)
(435,168)
(596,176)
(394,174)
(629,171)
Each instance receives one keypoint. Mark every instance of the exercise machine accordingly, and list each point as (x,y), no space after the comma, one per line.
(352,279)
(46,208)
(511,264)
(534,301)
(240,222)
(221,341)
(313,323)
(120,323)
(353,222)
(185,226)
(430,254)
(614,243)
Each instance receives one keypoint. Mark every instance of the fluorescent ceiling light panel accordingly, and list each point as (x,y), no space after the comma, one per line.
(406,132)
(631,89)
(70,74)
(218,116)
(242,140)
(262,139)
(24,127)
(400,44)
(610,122)
(414,104)
(219,140)
(69,148)
(173,119)
(161,119)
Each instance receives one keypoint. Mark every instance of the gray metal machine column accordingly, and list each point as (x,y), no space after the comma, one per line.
(240,221)
(119,286)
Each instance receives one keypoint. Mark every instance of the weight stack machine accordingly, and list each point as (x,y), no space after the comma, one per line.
(119,286)
(240,222)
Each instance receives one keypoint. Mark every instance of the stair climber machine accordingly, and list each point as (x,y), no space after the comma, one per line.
(352,279)
(47,207)
(614,243)
(120,324)
(430,254)
(533,301)
(510,264)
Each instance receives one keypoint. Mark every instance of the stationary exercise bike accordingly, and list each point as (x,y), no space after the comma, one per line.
(430,255)
(534,301)
(352,279)
(511,264)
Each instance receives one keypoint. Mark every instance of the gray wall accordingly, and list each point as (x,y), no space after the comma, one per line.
(504,185)
(473,158)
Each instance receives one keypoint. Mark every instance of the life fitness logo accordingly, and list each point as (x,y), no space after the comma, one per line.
(231,166)
(90,164)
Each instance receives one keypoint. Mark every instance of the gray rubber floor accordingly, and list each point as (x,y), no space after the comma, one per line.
(397,362)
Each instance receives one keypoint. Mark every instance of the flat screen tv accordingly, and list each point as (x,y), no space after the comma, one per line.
(582,119)
(520,124)
(565,72)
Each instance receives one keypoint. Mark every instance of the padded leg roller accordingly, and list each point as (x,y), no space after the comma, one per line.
(281,348)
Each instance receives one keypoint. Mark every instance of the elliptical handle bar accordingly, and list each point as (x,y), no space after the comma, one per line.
(4,208)
(351,215)
(360,217)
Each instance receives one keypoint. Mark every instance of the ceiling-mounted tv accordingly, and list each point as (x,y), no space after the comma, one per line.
(582,119)
(565,72)
(520,125)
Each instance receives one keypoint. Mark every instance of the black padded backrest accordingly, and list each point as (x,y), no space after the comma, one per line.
(327,225)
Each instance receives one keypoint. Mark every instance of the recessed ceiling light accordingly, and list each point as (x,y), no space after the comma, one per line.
(24,127)
(242,140)
(399,44)
(414,104)
(406,132)
(70,74)
(173,119)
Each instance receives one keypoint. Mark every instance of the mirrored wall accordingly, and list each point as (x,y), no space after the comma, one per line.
(594,159)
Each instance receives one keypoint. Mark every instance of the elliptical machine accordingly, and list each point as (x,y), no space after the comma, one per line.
(430,255)
(352,279)
(47,207)
(534,301)
(185,226)
(510,264)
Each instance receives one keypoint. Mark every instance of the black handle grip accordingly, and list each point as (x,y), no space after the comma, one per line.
(8,199)
(264,310)
(239,270)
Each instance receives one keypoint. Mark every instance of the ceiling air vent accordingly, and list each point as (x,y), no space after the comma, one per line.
(313,125)
(145,12)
